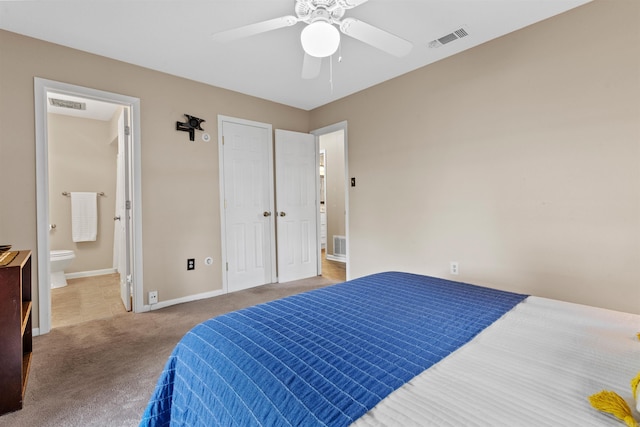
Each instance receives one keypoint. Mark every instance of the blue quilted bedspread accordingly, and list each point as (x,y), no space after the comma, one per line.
(323,357)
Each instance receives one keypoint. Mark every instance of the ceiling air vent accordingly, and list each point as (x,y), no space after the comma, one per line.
(457,34)
(67,104)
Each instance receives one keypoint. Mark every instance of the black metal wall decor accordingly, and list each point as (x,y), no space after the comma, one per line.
(191,125)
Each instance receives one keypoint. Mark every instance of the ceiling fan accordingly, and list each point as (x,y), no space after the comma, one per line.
(320,37)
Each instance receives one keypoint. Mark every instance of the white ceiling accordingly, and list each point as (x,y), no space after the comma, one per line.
(174,36)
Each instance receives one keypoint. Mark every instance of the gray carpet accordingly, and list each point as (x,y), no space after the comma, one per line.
(102,372)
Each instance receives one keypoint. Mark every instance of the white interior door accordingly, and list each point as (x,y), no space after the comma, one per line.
(122,218)
(248,204)
(296,201)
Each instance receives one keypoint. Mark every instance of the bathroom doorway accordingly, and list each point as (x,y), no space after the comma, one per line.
(81,147)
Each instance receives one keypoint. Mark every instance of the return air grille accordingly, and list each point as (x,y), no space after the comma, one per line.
(457,34)
(339,246)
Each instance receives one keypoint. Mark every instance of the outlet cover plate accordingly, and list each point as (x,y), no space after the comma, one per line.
(454,267)
(153,297)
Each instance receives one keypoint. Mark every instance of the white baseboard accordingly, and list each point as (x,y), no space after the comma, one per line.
(190,298)
(35,332)
(90,273)
(336,258)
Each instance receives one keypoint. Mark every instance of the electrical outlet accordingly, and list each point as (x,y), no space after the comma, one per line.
(153,297)
(453,267)
(191,264)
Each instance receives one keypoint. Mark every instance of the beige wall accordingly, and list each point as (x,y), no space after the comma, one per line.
(82,157)
(333,143)
(180,198)
(520,159)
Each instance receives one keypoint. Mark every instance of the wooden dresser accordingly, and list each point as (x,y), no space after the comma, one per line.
(15,330)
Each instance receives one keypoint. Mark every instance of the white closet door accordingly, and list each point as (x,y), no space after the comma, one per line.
(296,204)
(248,196)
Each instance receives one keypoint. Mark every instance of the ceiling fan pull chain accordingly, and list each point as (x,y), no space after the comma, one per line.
(331,73)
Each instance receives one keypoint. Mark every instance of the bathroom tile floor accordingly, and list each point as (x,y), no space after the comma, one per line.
(86,298)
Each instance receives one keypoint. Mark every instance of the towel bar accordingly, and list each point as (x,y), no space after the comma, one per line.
(66,193)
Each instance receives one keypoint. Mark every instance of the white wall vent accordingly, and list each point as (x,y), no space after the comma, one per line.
(64,103)
(340,246)
(457,34)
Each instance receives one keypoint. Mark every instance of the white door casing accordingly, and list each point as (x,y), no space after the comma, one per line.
(247,203)
(297,205)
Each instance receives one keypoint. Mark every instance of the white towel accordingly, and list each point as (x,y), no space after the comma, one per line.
(84,217)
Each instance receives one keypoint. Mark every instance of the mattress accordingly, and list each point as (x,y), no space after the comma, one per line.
(400,349)
(323,357)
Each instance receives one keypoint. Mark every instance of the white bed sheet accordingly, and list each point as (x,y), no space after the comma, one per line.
(536,366)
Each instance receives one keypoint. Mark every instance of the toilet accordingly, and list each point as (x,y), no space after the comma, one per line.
(60,261)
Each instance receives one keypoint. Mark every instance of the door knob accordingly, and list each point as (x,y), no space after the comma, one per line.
(283,214)
(266,213)
(116,218)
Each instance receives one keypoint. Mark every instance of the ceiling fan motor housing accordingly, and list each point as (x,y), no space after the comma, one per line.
(309,11)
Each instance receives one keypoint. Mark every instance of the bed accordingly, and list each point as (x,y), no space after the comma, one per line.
(399,349)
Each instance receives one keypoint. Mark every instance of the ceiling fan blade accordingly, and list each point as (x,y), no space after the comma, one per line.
(375,37)
(349,4)
(253,29)
(311,67)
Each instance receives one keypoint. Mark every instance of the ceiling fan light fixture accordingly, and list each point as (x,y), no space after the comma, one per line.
(320,39)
